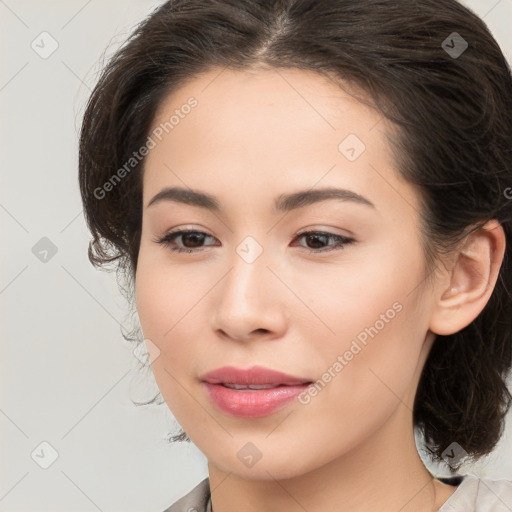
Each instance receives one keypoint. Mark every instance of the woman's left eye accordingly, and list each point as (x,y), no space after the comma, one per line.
(196,237)
(341,241)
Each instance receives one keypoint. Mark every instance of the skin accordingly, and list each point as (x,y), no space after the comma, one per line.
(253,136)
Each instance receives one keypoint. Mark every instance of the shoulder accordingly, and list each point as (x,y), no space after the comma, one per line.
(475,494)
(197,500)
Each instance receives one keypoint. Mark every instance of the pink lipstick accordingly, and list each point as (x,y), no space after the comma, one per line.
(254,392)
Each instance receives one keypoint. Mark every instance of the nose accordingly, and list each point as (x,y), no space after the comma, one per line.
(249,301)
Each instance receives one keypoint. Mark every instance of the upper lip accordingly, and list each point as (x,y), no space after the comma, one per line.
(253,375)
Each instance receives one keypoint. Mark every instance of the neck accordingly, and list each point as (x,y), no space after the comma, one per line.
(384,474)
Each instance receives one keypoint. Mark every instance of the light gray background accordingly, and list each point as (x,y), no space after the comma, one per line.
(66,372)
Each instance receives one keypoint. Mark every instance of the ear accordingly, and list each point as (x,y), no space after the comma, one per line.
(470,282)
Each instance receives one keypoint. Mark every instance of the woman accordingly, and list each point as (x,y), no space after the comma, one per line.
(312,198)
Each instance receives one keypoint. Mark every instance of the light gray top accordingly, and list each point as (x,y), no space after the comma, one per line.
(197,500)
(473,494)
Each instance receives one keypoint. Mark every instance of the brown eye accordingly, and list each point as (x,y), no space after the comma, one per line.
(319,239)
(191,240)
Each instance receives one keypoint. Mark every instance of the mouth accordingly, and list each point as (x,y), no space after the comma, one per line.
(252,392)
(251,401)
(256,387)
(253,378)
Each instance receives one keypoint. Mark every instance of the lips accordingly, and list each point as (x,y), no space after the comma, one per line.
(251,404)
(251,386)
(256,377)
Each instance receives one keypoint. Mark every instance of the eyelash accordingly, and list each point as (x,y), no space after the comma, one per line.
(168,239)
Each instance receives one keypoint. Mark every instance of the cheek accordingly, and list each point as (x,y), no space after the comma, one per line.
(355,297)
(377,327)
(170,310)
(367,374)
(164,294)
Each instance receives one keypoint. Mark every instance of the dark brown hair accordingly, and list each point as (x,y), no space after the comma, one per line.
(452,109)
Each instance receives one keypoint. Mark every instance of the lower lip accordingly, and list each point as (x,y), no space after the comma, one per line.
(252,403)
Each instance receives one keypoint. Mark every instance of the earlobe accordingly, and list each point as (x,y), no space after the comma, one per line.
(471,280)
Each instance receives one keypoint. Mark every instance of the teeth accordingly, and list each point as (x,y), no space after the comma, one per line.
(250,386)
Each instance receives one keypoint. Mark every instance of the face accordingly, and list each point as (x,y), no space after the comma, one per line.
(344,307)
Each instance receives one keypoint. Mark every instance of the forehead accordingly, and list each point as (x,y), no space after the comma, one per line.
(270,130)
(269,96)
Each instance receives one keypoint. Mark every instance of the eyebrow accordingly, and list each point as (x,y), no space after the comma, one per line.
(282,203)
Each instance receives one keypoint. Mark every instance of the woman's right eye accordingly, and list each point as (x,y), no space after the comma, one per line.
(191,235)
